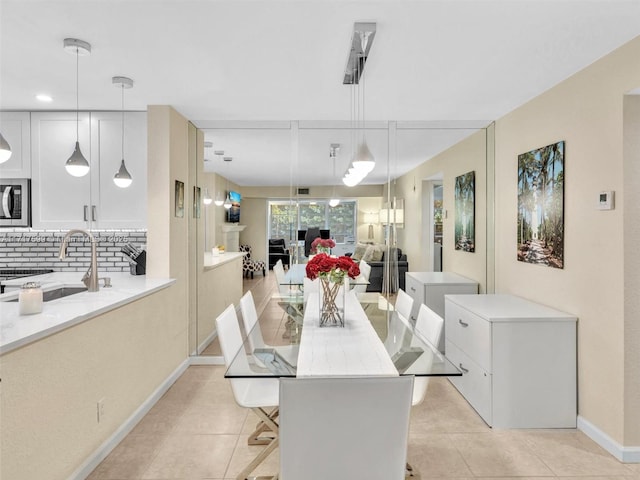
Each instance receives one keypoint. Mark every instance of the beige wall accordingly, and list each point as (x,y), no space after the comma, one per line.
(217,289)
(587,112)
(50,388)
(631,203)
(468,155)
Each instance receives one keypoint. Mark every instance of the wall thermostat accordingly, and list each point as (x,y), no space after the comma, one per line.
(605,200)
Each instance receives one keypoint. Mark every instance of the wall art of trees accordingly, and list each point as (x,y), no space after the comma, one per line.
(541,206)
(465,192)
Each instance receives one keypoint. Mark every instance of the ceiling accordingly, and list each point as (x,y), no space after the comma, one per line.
(264,78)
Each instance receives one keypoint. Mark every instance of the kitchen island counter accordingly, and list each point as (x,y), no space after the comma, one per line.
(18,330)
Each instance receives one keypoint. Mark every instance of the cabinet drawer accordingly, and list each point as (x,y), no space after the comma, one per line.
(474,384)
(471,334)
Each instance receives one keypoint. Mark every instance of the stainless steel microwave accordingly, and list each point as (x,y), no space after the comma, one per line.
(15,202)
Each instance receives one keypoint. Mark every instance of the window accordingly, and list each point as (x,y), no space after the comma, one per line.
(285,219)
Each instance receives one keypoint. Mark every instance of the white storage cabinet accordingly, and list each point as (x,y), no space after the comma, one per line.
(15,128)
(431,287)
(518,360)
(61,201)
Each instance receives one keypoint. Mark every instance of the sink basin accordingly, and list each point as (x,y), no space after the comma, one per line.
(56,293)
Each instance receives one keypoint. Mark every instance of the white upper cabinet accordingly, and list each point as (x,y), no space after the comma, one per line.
(117,207)
(61,201)
(15,128)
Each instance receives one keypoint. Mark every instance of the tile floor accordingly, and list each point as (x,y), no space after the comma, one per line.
(196,432)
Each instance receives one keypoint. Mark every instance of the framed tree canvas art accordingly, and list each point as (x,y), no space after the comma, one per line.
(541,206)
(465,204)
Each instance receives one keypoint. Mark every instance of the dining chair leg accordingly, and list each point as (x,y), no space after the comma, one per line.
(256,437)
(244,474)
(409,470)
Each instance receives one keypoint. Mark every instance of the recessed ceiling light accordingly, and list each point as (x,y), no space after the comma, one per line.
(44,98)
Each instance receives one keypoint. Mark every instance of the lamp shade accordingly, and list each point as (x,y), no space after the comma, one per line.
(364,161)
(387,216)
(207,198)
(77,165)
(5,150)
(122,178)
(370,218)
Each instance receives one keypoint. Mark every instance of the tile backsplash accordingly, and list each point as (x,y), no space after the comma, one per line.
(39,249)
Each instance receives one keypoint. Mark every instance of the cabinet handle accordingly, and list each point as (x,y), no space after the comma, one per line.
(464,370)
(93,213)
(412,289)
(464,324)
(86,213)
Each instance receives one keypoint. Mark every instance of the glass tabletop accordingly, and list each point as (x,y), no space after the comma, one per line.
(409,351)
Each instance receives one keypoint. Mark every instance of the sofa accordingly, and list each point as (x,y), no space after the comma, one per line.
(377,260)
(278,251)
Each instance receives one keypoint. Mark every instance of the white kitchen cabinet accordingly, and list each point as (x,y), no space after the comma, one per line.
(431,287)
(518,360)
(15,128)
(117,207)
(61,201)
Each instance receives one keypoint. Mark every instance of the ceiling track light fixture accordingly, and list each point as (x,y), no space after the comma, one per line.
(363,161)
(5,149)
(333,153)
(122,178)
(77,165)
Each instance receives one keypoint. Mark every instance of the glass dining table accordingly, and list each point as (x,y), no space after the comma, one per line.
(375,341)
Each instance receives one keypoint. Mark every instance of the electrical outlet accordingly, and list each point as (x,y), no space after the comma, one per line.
(100,410)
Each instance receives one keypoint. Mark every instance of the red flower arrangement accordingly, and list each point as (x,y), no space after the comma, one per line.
(320,245)
(332,268)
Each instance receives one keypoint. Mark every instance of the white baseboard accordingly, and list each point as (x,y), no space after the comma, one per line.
(205,343)
(108,445)
(207,360)
(624,454)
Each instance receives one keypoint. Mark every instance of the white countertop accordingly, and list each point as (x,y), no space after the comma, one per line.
(505,308)
(211,261)
(17,330)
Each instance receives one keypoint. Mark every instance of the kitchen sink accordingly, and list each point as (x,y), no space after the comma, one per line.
(56,293)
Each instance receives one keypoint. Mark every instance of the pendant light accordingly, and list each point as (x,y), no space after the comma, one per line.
(227,201)
(364,160)
(219,201)
(333,153)
(122,178)
(77,165)
(207,198)
(5,149)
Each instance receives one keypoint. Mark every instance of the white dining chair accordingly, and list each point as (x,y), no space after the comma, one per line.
(365,272)
(257,394)
(289,298)
(288,353)
(310,287)
(404,304)
(317,437)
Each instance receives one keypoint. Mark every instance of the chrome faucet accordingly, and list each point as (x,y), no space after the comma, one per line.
(90,278)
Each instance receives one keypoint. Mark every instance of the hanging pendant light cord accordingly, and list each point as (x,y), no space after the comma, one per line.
(122,120)
(77,95)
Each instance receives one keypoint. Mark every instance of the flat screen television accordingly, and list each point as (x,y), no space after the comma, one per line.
(233,214)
